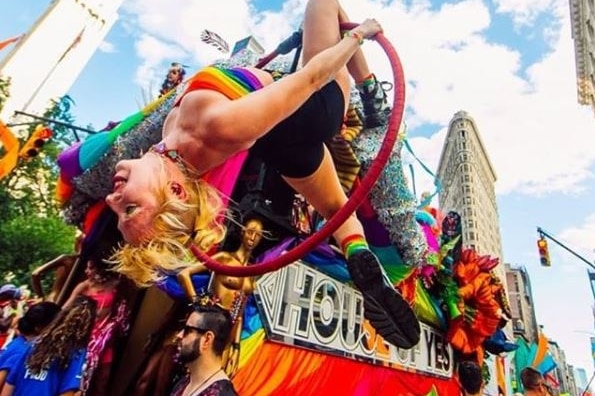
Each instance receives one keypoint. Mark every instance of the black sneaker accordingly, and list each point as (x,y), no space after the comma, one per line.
(374,102)
(384,307)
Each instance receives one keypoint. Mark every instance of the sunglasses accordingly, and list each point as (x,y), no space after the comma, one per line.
(189,329)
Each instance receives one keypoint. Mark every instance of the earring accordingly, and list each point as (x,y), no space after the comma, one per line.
(176,188)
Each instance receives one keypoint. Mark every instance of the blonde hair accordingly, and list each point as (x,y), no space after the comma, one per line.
(177,224)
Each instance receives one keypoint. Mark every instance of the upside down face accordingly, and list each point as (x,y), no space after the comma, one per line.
(135,196)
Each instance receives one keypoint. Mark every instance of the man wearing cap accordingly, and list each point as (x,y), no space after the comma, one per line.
(11,312)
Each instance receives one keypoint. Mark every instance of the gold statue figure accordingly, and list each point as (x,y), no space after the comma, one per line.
(231,291)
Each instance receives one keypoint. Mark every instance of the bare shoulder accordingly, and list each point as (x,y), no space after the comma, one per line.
(197,107)
(82,287)
(205,120)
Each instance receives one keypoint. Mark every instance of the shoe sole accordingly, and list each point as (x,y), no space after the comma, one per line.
(376,120)
(384,307)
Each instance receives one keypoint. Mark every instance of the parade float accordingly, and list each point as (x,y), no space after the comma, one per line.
(302,328)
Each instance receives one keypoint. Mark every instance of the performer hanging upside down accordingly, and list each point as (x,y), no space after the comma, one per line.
(163,202)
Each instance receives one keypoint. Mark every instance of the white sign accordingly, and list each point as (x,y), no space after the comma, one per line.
(301,306)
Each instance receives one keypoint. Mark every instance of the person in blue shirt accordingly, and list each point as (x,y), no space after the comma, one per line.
(53,364)
(37,317)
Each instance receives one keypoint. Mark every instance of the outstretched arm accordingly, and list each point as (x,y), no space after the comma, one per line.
(235,125)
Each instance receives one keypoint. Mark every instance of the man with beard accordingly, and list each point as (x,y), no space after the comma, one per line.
(202,342)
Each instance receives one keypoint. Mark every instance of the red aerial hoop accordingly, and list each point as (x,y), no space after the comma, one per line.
(358,195)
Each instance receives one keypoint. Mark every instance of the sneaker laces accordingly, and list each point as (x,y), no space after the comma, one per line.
(377,92)
(386,85)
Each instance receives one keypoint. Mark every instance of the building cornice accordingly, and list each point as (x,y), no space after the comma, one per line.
(451,129)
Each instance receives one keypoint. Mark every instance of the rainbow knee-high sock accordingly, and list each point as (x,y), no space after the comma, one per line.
(367,81)
(353,243)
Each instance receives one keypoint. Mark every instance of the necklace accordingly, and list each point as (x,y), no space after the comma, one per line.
(202,383)
(175,157)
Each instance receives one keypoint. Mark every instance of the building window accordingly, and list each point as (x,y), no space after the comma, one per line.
(519,311)
(462,134)
(471,236)
(467,178)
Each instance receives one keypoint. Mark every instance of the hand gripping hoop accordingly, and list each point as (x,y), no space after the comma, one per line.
(358,195)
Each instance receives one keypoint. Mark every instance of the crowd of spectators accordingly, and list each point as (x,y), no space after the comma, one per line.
(66,349)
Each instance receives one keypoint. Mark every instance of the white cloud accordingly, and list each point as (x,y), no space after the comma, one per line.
(153,52)
(537,136)
(107,47)
(181,22)
(523,12)
(581,238)
(171,31)
(425,150)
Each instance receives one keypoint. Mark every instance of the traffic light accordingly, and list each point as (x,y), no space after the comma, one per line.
(35,142)
(10,144)
(544,254)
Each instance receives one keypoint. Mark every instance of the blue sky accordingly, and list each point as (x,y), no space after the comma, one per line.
(509,63)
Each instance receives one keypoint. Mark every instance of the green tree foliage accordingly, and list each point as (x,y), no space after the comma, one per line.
(32,230)
(28,241)
(4,84)
(33,183)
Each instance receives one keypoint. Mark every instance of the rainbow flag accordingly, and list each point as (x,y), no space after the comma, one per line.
(9,41)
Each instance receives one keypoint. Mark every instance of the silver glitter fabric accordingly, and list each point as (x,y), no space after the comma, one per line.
(391,198)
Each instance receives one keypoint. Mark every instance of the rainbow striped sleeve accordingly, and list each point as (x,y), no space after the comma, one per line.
(233,83)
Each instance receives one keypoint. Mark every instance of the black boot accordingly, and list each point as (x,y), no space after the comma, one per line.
(374,102)
(384,307)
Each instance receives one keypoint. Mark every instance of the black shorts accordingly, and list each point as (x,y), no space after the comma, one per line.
(295,146)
